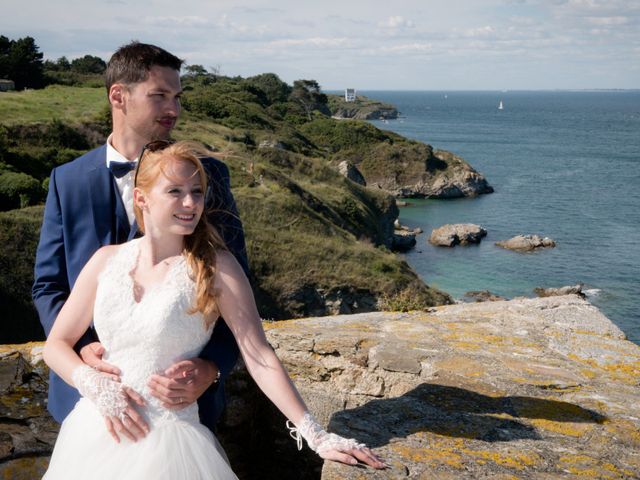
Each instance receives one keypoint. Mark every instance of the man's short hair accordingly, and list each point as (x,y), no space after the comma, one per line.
(131,63)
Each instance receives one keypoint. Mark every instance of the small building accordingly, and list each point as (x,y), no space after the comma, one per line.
(7,85)
(349,94)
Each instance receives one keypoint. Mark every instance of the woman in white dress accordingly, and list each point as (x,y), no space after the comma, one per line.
(153,302)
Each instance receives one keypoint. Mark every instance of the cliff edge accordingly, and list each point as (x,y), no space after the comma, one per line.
(527,388)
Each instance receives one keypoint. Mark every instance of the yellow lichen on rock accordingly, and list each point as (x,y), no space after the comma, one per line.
(513,459)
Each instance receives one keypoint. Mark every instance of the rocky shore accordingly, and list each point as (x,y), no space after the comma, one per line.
(441,175)
(524,389)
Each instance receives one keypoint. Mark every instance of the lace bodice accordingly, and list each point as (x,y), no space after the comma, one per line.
(147,337)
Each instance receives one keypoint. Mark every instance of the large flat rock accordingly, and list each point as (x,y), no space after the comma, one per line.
(532,388)
(540,388)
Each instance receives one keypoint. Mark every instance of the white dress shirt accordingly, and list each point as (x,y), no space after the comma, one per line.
(125,183)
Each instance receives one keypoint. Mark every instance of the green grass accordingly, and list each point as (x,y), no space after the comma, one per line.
(70,104)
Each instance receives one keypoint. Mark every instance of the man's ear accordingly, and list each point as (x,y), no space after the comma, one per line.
(116,95)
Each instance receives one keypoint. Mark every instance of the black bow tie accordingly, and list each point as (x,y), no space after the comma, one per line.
(120,169)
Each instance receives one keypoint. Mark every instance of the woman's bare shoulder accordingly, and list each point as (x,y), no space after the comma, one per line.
(103,254)
(227,267)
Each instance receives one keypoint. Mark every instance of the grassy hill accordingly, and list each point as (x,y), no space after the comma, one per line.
(316,241)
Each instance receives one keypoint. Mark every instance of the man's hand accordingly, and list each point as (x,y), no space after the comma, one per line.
(130,423)
(183,383)
(91,354)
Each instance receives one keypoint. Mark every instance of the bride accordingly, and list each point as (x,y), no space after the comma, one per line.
(154,301)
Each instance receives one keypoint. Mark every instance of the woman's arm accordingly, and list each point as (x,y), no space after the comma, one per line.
(112,399)
(237,305)
(74,319)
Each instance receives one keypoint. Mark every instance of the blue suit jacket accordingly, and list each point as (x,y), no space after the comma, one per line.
(84,212)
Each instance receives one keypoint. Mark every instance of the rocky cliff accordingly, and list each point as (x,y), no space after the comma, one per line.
(362,108)
(531,388)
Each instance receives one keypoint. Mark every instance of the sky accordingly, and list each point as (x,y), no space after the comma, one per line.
(368,45)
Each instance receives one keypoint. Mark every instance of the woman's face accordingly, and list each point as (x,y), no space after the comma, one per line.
(175,202)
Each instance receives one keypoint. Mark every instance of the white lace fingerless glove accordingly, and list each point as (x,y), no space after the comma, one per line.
(106,394)
(318,439)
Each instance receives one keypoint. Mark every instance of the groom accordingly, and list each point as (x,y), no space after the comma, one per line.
(90,204)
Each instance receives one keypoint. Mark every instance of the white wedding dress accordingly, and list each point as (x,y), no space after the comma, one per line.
(142,339)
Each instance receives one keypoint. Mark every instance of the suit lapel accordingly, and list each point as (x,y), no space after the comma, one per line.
(109,216)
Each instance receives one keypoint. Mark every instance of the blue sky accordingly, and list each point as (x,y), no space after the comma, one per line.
(395,45)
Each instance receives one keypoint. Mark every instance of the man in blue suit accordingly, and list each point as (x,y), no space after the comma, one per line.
(90,204)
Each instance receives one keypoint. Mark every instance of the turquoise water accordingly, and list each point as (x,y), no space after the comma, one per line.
(563,164)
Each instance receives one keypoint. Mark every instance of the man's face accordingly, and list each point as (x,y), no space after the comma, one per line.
(152,107)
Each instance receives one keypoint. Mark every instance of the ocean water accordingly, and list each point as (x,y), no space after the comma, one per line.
(564,164)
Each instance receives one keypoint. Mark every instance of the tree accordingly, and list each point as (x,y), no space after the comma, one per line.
(195,70)
(306,93)
(21,62)
(274,89)
(89,64)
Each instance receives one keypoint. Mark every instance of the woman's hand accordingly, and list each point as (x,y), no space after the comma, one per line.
(130,423)
(113,400)
(353,456)
(331,446)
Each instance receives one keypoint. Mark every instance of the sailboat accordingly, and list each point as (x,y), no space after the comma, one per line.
(500,106)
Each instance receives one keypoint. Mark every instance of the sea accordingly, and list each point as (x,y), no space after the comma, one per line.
(564,164)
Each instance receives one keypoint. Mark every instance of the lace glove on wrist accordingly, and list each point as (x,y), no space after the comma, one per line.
(106,394)
(318,439)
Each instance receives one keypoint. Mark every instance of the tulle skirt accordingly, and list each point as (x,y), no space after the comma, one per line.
(172,450)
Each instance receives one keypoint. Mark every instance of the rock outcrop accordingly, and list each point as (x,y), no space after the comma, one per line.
(528,388)
(555,292)
(27,432)
(403,241)
(404,238)
(445,175)
(380,112)
(362,108)
(451,235)
(350,171)
(482,296)
(526,243)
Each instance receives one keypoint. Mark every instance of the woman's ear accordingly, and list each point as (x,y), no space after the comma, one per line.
(139,198)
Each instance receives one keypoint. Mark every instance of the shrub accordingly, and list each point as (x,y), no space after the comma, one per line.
(18,190)
(19,233)
(274,89)
(337,135)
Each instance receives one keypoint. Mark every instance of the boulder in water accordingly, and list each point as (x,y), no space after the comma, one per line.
(526,243)
(451,235)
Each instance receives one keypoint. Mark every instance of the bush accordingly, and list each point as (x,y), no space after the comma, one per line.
(274,89)
(18,190)
(19,234)
(337,135)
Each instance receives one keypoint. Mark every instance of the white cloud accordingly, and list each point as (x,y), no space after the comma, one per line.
(608,21)
(315,42)
(486,31)
(402,49)
(396,22)
(177,22)
(337,42)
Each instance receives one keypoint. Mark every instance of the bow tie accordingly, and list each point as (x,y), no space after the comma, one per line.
(120,169)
